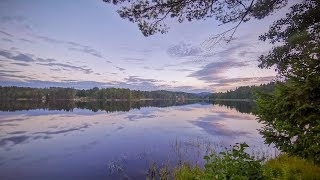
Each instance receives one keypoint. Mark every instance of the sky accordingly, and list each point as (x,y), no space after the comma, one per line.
(85,44)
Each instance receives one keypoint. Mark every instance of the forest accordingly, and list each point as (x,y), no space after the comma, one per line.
(245,92)
(57,93)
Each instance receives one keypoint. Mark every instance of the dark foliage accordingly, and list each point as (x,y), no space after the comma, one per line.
(292,113)
(150,15)
(53,93)
(244,92)
(16,93)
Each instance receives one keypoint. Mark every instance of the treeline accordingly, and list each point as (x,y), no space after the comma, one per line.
(16,93)
(55,93)
(244,92)
(107,106)
(120,93)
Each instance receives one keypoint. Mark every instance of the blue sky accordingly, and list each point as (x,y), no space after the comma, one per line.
(84,44)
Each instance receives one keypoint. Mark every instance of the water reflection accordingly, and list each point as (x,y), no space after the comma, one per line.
(115,106)
(240,106)
(108,106)
(85,140)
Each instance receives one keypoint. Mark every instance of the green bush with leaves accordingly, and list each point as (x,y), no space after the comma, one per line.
(236,164)
(233,164)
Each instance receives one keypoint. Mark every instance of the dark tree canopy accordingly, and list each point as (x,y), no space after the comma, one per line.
(245,92)
(292,113)
(299,36)
(150,15)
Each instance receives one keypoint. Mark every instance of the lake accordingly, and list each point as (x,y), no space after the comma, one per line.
(117,140)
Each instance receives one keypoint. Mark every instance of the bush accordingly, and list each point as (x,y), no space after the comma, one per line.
(236,164)
(233,164)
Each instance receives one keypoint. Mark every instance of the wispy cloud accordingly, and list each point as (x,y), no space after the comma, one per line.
(46,60)
(193,62)
(249,80)
(214,71)
(21,64)
(65,83)
(19,21)
(21,77)
(14,140)
(139,83)
(137,79)
(88,50)
(26,40)
(9,71)
(240,54)
(183,70)
(184,50)
(134,60)
(23,21)
(143,51)
(7,40)
(120,69)
(68,66)
(17,57)
(51,40)
(153,68)
(6,33)
(72,46)
(11,75)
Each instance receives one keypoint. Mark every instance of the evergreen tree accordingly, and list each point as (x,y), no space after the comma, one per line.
(292,113)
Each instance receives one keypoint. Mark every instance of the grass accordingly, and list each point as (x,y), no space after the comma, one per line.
(283,167)
(233,163)
(186,171)
(183,171)
(287,167)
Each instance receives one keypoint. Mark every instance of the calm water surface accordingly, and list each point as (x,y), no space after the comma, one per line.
(115,140)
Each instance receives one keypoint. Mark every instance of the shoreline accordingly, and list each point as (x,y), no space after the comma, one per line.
(108,100)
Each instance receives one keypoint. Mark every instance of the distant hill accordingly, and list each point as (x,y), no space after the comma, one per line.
(203,94)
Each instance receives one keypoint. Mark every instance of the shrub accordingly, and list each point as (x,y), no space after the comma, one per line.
(233,164)
(236,164)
